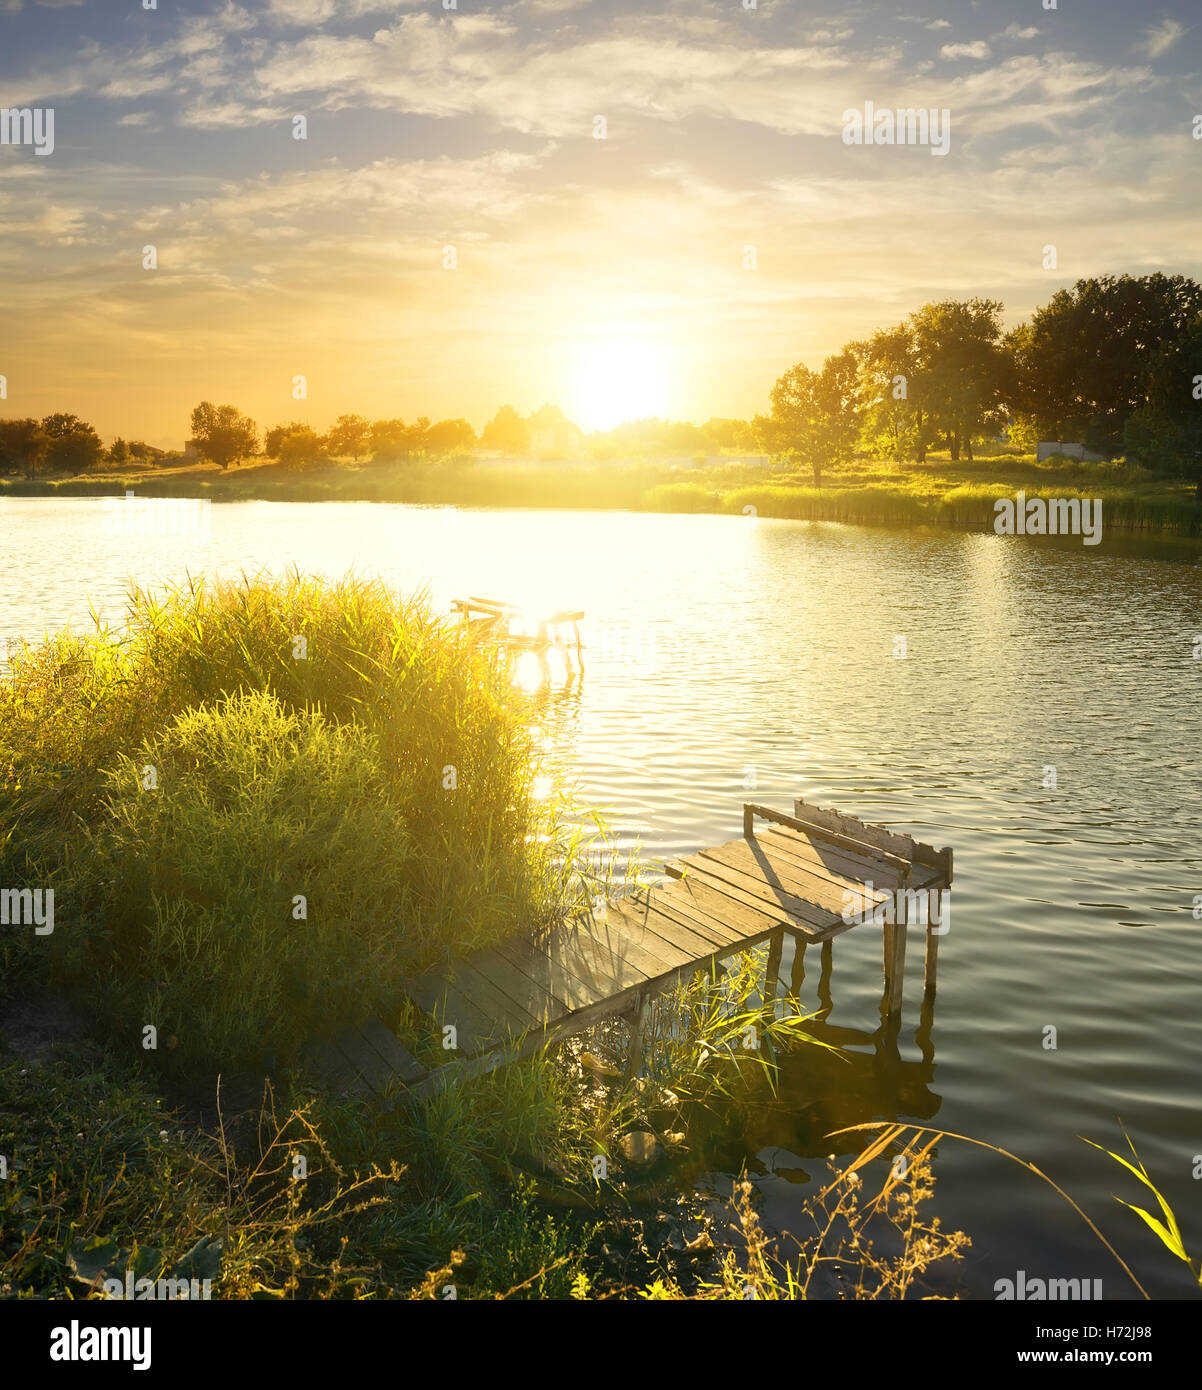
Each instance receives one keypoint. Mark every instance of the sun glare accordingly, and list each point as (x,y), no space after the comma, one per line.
(616,380)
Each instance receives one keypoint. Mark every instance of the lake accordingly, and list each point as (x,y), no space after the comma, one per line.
(734,659)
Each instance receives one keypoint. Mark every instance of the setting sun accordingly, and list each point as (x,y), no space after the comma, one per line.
(618,379)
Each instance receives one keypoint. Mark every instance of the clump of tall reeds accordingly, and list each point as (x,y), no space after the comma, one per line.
(262,803)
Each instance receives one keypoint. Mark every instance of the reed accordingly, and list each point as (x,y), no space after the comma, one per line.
(383,773)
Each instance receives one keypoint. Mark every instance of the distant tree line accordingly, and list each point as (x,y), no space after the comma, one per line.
(1115,364)
(63,444)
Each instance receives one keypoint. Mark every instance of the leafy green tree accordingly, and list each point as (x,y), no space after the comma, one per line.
(506,431)
(301,446)
(350,437)
(814,415)
(895,421)
(449,437)
(23,444)
(1081,362)
(74,446)
(222,435)
(1166,431)
(119,451)
(274,438)
(961,368)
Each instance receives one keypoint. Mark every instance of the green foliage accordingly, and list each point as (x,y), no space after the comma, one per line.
(1082,363)
(104,1179)
(222,435)
(341,774)
(1168,1232)
(73,446)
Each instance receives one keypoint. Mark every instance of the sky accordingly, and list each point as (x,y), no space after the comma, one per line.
(453,235)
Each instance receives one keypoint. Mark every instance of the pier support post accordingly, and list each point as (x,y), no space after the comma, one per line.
(895,964)
(776,947)
(929,964)
(638,1023)
(797,977)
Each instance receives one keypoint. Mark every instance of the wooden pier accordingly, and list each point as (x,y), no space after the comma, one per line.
(493,622)
(811,874)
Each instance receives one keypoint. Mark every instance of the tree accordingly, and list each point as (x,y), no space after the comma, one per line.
(275,436)
(814,418)
(23,444)
(74,446)
(506,431)
(895,421)
(350,437)
(961,367)
(301,446)
(450,437)
(222,435)
(119,451)
(1166,431)
(1081,362)
(295,444)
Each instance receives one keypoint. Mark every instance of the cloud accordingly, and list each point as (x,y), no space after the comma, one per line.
(1160,38)
(977,49)
(15,6)
(1016,31)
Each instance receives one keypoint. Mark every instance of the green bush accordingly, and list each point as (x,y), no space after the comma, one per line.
(384,770)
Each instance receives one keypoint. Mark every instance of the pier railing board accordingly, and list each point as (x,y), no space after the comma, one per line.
(798,874)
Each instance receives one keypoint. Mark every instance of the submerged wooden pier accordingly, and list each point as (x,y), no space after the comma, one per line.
(814,874)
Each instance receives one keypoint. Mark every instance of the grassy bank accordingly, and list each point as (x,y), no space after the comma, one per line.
(263,805)
(938,492)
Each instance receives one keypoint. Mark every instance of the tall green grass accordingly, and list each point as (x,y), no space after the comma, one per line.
(385,776)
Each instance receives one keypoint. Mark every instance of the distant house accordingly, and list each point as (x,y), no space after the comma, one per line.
(551,432)
(1068,451)
(192,451)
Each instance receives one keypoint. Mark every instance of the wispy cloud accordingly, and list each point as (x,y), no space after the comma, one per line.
(1160,38)
(978,49)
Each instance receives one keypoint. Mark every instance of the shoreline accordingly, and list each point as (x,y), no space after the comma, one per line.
(943,494)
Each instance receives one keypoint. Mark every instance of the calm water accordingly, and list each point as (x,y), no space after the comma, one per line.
(726,650)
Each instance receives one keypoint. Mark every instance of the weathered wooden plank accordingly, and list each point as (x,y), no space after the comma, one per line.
(403,1063)
(579,936)
(627,946)
(841,865)
(495,983)
(534,960)
(836,865)
(334,1071)
(890,841)
(719,881)
(519,985)
(781,875)
(671,927)
(441,1077)
(730,922)
(437,996)
(364,1058)
(752,888)
(507,1014)
(633,928)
